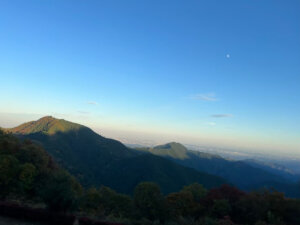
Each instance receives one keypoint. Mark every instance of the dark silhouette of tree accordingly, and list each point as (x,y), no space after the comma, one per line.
(149,201)
(61,192)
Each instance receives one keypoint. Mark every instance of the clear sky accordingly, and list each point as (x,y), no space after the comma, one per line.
(218,72)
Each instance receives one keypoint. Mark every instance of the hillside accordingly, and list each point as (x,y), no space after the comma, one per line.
(35,190)
(274,168)
(28,172)
(241,174)
(96,160)
(46,125)
(170,176)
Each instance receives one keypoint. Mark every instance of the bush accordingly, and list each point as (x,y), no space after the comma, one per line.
(149,201)
(61,192)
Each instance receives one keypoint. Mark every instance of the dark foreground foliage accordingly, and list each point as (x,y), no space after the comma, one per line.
(35,214)
(95,160)
(29,175)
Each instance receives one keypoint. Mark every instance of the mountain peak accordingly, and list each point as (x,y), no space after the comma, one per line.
(172,149)
(47,125)
(47,118)
(172,145)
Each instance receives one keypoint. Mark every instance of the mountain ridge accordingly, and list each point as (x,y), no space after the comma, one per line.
(48,125)
(239,173)
(96,160)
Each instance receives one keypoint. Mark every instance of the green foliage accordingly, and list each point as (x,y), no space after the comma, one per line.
(172,150)
(95,160)
(181,204)
(27,176)
(28,172)
(197,190)
(107,202)
(118,205)
(61,192)
(208,221)
(9,168)
(234,172)
(47,125)
(187,202)
(221,208)
(149,201)
(91,202)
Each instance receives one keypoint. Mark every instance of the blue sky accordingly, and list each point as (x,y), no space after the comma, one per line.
(223,72)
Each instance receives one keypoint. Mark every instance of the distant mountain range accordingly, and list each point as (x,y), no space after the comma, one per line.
(247,175)
(96,160)
(274,168)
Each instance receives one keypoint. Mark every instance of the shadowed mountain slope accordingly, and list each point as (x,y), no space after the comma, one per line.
(241,174)
(96,160)
(274,168)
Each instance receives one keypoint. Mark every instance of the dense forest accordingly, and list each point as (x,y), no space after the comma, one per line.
(96,160)
(234,171)
(30,176)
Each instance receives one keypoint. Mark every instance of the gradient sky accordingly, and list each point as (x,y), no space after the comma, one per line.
(209,72)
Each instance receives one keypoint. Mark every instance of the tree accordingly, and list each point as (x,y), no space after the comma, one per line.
(198,193)
(61,192)
(232,194)
(9,167)
(251,208)
(27,171)
(197,190)
(27,175)
(221,208)
(92,202)
(181,204)
(149,201)
(115,204)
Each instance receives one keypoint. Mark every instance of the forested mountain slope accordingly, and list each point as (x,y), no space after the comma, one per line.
(239,173)
(96,160)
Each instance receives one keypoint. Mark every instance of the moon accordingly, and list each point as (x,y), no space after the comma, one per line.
(227,56)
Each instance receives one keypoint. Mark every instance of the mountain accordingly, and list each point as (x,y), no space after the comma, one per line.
(274,168)
(96,160)
(239,173)
(46,125)
(170,176)
(172,150)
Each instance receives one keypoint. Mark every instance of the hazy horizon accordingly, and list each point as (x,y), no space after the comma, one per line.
(223,74)
(149,139)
